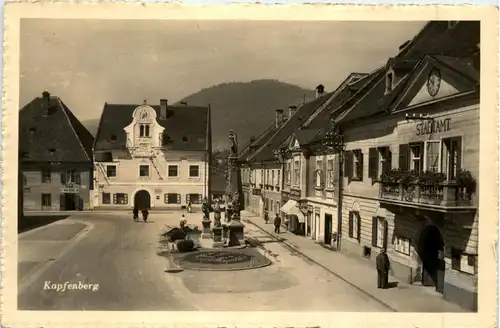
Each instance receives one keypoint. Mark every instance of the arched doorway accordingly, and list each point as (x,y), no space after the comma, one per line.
(431,251)
(142,199)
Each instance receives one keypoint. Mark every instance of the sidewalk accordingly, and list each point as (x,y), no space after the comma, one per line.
(403,298)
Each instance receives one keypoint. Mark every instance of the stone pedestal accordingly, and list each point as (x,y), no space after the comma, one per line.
(195,236)
(217,236)
(236,234)
(206,232)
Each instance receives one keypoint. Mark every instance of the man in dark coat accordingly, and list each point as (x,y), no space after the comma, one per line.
(277,223)
(136,213)
(383,266)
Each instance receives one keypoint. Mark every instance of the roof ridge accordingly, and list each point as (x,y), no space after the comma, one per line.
(99,125)
(61,104)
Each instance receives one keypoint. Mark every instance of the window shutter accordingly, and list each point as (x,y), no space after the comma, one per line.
(373,163)
(178,198)
(125,198)
(351,225)
(359,227)
(404,160)
(115,199)
(374,230)
(386,234)
(360,159)
(459,154)
(348,164)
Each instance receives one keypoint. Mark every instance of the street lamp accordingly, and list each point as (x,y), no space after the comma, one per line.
(334,142)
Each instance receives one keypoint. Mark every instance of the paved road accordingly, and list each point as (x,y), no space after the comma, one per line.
(109,250)
(120,256)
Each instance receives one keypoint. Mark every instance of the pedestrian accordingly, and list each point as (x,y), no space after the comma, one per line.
(145,214)
(136,213)
(183,221)
(266,216)
(277,224)
(189,207)
(383,267)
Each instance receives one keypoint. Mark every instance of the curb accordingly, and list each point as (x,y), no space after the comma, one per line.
(288,244)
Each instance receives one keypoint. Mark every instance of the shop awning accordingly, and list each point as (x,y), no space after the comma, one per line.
(296,211)
(290,204)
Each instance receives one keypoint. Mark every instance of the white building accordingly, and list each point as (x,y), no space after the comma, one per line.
(155,156)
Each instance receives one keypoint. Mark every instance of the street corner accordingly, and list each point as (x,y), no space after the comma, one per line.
(63,231)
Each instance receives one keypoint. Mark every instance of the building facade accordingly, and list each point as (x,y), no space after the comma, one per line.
(152,156)
(56,164)
(410,177)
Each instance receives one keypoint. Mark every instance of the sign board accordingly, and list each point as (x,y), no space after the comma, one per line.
(434,126)
(69,190)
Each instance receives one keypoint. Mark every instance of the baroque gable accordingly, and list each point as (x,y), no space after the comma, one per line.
(144,133)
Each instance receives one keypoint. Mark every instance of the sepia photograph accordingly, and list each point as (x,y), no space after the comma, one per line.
(248,165)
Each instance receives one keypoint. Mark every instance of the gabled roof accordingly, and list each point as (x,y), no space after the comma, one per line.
(56,137)
(186,127)
(265,152)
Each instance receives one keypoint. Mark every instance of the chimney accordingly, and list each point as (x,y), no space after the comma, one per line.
(45,103)
(252,139)
(279,117)
(291,110)
(320,90)
(163,109)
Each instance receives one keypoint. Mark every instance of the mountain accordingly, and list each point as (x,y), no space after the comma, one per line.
(246,107)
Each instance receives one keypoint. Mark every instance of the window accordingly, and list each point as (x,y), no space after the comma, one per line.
(46,178)
(379,161)
(72,176)
(120,198)
(288,173)
(379,232)
(106,198)
(402,244)
(250,176)
(262,177)
(46,200)
(432,154)
(330,174)
(271,206)
(144,130)
(452,153)
(194,171)
(143,171)
(173,170)
(354,225)
(463,262)
(272,178)
(296,173)
(354,164)
(278,179)
(172,198)
(194,198)
(318,174)
(416,157)
(267,177)
(111,171)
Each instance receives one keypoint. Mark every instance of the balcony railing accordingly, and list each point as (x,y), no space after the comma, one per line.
(447,194)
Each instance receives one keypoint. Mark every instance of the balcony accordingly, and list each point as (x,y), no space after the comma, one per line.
(444,196)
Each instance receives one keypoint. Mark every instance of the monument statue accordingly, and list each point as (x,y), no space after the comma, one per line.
(217,215)
(205,209)
(233,140)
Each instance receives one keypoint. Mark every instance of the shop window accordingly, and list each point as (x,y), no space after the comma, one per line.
(106,198)
(120,199)
(111,171)
(144,171)
(46,200)
(194,171)
(194,198)
(452,153)
(46,176)
(402,245)
(355,225)
(172,198)
(463,262)
(173,170)
(330,179)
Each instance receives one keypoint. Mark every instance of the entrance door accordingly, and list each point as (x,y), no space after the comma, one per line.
(70,203)
(142,199)
(328,229)
(431,253)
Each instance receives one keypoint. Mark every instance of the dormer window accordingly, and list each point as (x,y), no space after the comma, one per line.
(389,80)
(144,130)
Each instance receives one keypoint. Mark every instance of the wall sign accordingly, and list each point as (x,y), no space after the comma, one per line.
(69,190)
(434,126)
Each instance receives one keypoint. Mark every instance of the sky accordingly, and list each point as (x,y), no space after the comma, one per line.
(89,62)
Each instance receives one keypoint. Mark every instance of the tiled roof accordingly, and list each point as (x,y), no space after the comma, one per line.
(185,127)
(464,66)
(56,137)
(259,141)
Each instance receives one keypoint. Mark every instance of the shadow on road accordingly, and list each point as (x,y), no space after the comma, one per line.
(31,222)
